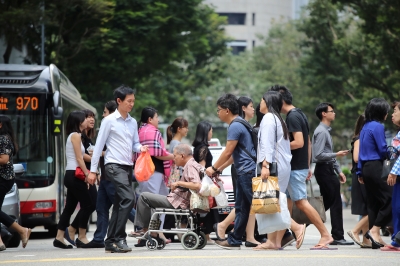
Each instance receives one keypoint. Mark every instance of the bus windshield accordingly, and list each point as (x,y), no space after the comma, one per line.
(30,122)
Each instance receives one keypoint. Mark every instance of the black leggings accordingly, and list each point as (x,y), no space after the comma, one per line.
(77,191)
(5,186)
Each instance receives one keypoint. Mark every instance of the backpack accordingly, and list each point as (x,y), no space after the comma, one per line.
(253,135)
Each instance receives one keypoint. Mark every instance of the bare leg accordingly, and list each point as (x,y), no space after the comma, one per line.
(273,242)
(376,235)
(313,215)
(364,228)
(82,235)
(23,232)
(362,225)
(251,224)
(1,241)
(60,236)
(71,232)
(222,226)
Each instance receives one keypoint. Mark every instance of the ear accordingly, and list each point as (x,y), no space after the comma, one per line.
(119,101)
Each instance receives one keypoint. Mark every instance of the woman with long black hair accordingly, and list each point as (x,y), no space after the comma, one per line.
(203,156)
(373,150)
(8,148)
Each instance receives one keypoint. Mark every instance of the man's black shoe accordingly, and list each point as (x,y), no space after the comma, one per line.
(112,248)
(93,244)
(342,242)
(121,245)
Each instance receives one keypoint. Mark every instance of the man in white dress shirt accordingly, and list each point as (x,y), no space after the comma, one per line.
(119,132)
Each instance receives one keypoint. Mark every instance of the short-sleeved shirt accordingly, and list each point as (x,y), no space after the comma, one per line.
(242,161)
(179,198)
(296,122)
(7,148)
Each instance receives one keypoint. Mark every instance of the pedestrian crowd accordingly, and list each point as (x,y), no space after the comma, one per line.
(284,142)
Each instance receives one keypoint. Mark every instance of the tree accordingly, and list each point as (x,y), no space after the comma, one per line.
(344,62)
(18,20)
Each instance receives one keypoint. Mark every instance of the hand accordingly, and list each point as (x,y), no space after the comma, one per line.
(264,173)
(210,171)
(309,175)
(173,186)
(391,181)
(342,178)
(144,148)
(361,180)
(342,153)
(91,178)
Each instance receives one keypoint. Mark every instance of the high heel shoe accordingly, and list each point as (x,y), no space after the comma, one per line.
(375,244)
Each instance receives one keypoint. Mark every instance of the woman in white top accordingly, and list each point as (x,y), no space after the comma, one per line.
(77,190)
(274,146)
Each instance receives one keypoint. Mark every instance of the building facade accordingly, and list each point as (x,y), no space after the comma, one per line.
(249,19)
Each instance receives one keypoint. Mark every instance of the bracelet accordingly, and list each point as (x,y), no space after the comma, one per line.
(215,169)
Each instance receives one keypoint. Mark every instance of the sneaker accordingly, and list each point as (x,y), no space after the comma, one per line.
(112,248)
(225,245)
(288,240)
(93,244)
(123,246)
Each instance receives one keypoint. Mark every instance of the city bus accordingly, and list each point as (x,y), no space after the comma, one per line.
(38,100)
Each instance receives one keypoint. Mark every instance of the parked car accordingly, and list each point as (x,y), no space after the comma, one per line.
(11,206)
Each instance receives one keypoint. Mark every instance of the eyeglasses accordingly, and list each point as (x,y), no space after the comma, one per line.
(330,111)
(218,109)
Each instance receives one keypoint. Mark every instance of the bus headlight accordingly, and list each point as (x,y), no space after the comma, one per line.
(43,205)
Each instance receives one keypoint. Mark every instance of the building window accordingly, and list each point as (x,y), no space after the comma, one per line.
(254,43)
(237,46)
(253,19)
(235,18)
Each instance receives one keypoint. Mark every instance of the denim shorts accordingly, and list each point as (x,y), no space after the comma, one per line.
(297,189)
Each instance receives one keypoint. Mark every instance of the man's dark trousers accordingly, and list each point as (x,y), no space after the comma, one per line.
(330,190)
(121,177)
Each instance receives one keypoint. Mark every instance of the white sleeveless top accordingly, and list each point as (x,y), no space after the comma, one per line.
(72,163)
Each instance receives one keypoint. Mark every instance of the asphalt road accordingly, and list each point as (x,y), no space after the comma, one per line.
(41,252)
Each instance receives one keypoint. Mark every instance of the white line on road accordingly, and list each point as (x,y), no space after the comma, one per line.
(24,255)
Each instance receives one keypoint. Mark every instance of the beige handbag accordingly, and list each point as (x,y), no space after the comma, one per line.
(316,202)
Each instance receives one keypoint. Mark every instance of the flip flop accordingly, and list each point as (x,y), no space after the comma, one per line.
(301,237)
(25,240)
(322,247)
(259,248)
(390,248)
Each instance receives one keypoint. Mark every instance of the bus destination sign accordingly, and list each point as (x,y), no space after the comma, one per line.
(19,102)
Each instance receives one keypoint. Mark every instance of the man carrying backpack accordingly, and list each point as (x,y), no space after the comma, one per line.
(228,110)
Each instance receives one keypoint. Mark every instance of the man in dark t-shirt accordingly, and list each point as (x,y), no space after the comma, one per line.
(300,146)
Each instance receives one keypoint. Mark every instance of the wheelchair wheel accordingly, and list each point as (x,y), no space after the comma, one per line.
(190,240)
(202,240)
(151,244)
(161,244)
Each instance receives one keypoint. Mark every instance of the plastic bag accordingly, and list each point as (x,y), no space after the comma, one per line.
(269,223)
(222,198)
(265,195)
(208,187)
(144,167)
(199,203)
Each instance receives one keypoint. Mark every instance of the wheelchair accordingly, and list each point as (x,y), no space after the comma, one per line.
(193,237)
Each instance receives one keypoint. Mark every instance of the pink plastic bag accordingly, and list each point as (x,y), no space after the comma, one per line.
(144,167)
